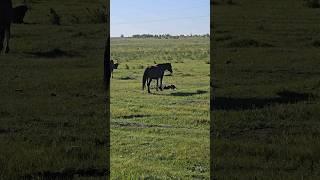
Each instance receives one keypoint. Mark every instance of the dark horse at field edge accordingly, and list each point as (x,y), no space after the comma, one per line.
(113,66)
(155,72)
(6,15)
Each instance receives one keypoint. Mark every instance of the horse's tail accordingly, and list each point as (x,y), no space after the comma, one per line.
(144,79)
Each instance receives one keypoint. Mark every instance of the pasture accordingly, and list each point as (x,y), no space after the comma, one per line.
(265,66)
(163,135)
(51,97)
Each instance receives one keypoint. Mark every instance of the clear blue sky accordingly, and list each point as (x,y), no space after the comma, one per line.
(130,17)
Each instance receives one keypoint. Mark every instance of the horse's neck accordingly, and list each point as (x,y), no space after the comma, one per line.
(162,67)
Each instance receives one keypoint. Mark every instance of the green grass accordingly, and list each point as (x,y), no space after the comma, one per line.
(164,134)
(265,66)
(51,110)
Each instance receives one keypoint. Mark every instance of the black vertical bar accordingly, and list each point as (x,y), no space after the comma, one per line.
(212,95)
(106,79)
(107,52)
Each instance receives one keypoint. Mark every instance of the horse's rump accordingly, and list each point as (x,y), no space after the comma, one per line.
(154,72)
(19,13)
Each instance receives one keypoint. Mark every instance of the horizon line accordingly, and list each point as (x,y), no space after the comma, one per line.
(165,34)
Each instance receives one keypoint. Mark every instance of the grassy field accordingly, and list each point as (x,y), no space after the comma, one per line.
(266,77)
(163,135)
(51,112)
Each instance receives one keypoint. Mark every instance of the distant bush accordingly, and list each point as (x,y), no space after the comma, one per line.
(54,17)
(168,36)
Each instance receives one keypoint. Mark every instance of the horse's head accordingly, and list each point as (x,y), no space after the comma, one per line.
(113,64)
(25,8)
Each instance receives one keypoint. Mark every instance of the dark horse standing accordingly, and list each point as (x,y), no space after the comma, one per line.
(155,72)
(113,66)
(19,12)
(5,23)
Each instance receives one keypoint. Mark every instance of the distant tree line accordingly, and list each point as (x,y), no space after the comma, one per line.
(167,36)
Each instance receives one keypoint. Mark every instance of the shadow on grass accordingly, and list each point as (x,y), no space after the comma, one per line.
(139,125)
(30,23)
(134,116)
(68,174)
(54,53)
(284,97)
(126,78)
(7,131)
(188,93)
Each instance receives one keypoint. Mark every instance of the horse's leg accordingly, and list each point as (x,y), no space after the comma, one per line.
(161,83)
(7,36)
(1,39)
(149,82)
(157,84)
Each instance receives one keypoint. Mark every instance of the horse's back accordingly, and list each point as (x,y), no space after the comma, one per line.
(154,72)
